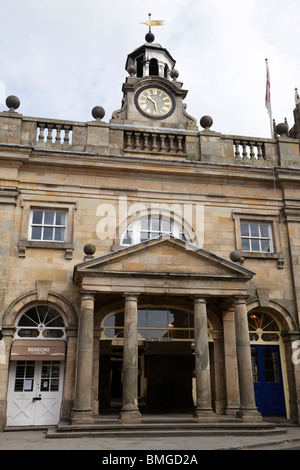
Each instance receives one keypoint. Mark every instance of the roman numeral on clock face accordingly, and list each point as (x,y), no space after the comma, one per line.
(155,102)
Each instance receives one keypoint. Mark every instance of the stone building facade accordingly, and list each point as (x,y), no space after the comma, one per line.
(147,262)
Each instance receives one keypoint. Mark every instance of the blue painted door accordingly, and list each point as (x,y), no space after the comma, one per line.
(267,377)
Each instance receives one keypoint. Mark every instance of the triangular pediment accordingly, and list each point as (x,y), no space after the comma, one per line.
(163,256)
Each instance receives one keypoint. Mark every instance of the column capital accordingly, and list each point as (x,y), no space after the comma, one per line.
(199,299)
(87,294)
(240,299)
(131,295)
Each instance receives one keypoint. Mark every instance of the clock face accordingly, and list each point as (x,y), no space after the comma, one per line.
(155,102)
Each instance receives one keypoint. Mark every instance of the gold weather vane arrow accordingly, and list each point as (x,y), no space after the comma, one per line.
(153,22)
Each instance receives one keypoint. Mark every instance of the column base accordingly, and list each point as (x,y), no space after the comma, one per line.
(232,411)
(82,417)
(250,415)
(205,416)
(130,414)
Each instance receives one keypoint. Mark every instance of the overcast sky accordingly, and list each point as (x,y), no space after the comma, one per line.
(63,57)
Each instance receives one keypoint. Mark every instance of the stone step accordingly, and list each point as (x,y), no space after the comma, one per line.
(158,427)
(165,432)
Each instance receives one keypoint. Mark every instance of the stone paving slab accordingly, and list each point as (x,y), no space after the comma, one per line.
(36,440)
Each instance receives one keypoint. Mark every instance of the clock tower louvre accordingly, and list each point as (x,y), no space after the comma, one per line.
(152,95)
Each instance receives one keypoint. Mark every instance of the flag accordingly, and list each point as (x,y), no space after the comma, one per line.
(268,92)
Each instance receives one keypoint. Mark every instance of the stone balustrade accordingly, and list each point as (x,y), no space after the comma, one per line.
(154,142)
(56,133)
(249,149)
(100,138)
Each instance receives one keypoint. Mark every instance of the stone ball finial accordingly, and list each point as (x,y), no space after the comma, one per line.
(131,70)
(89,249)
(206,122)
(174,74)
(98,113)
(149,37)
(282,129)
(12,102)
(237,257)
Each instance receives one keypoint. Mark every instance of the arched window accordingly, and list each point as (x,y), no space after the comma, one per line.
(262,327)
(155,324)
(149,227)
(41,322)
(153,67)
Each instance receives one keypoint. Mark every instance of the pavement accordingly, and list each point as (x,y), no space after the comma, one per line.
(37,440)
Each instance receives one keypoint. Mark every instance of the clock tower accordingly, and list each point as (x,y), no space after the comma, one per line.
(152,94)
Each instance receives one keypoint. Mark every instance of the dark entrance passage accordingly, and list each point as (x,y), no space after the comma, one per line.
(165,373)
(267,377)
(169,381)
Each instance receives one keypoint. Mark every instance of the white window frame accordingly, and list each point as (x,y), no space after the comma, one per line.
(136,229)
(44,225)
(29,204)
(260,238)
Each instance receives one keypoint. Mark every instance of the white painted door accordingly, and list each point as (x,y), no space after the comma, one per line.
(35,393)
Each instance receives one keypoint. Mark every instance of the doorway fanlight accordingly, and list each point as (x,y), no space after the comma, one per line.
(40,322)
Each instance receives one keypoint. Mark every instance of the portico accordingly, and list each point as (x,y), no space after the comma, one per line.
(168,267)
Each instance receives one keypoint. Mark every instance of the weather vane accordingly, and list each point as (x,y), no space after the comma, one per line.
(152,22)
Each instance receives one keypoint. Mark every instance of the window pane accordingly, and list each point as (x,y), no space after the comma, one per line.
(245,230)
(145,223)
(255,245)
(127,239)
(255,369)
(53,318)
(155,223)
(110,321)
(271,365)
(60,218)
(142,317)
(49,218)
(36,233)
(245,244)
(166,225)
(264,230)
(109,332)
(48,233)
(254,230)
(157,318)
(59,234)
(144,236)
(37,217)
(28,333)
(53,333)
(265,246)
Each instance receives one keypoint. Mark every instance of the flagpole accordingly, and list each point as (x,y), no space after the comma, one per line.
(268,99)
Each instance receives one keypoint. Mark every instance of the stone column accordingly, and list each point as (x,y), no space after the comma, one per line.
(130,411)
(70,374)
(203,387)
(231,364)
(248,410)
(82,412)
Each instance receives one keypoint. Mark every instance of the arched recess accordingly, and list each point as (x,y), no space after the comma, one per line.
(276,323)
(163,345)
(64,307)
(58,301)
(171,213)
(280,313)
(172,302)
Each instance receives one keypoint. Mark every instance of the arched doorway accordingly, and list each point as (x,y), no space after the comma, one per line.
(166,358)
(267,355)
(36,373)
